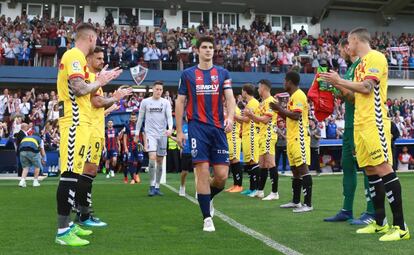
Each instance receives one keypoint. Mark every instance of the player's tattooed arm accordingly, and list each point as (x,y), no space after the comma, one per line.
(80,87)
(364,87)
(106,102)
(369,85)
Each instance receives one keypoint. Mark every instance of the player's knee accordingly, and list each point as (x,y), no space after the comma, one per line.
(90,169)
(221,177)
(151,163)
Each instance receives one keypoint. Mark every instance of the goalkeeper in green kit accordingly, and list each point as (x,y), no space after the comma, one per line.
(349,165)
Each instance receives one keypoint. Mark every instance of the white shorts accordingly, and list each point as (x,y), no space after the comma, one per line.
(157,144)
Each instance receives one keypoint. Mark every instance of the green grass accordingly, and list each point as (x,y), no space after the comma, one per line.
(172,225)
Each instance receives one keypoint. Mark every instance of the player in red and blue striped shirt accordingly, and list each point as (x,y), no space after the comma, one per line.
(203,87)
(112,148)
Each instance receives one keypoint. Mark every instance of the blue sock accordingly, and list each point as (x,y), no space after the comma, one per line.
(215,191)
(131,170)
(204,201)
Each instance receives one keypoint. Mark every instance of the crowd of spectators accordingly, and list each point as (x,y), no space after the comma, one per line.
(40,111)
(255,49)
(401,112)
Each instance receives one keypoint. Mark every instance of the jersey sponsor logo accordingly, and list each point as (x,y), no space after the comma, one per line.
(76,66)
(207,89)
(156,109)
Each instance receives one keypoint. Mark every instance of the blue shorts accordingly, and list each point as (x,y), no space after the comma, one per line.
(208,143)
(135,156)
(111,154)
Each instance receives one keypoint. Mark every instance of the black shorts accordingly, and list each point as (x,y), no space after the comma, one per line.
(186,162)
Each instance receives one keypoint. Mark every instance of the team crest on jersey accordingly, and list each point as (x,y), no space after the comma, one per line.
(214,78)
(194,153)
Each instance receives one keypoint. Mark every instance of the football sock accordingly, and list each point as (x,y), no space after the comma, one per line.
(370,205)
(248,169)
(393,191)
(264,172)
(274,178)
(349,183)
(239,174)
(296,188)
(131,169)
(214,191)
(63,223)
(204,202)
(125,168)
(377,191)
(256,173)
(231,169)
(158,176)
(82,193)
(307,189)
(65,196)
(151,171)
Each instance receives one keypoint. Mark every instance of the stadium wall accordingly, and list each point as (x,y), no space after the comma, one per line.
(398,92)
(11,12)
(347,20)
(47,76)
(173,21)
(98,16)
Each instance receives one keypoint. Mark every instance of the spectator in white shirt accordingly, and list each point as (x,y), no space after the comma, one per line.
(404,159)
(340,126)
(24,106)
(4,99)
(322,127)
(253,62)
(53,114)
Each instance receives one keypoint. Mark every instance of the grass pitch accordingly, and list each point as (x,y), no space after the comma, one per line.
(139,224)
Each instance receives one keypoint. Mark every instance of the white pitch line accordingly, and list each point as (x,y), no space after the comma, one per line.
(264,239)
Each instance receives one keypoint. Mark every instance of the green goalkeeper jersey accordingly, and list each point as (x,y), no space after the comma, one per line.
(349,106)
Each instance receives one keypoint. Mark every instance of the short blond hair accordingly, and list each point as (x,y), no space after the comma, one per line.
(361,33)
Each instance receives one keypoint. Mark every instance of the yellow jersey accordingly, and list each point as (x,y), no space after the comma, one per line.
(235,131)
(73,110)
(251,128)
(268,130)
(370,109)
(97,114)
(295,129)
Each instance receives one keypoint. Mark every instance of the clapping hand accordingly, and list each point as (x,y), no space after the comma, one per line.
(275,106)
(104,76)
(330,77)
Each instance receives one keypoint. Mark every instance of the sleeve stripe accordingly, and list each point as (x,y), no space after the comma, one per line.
(76,75)
(372,78)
